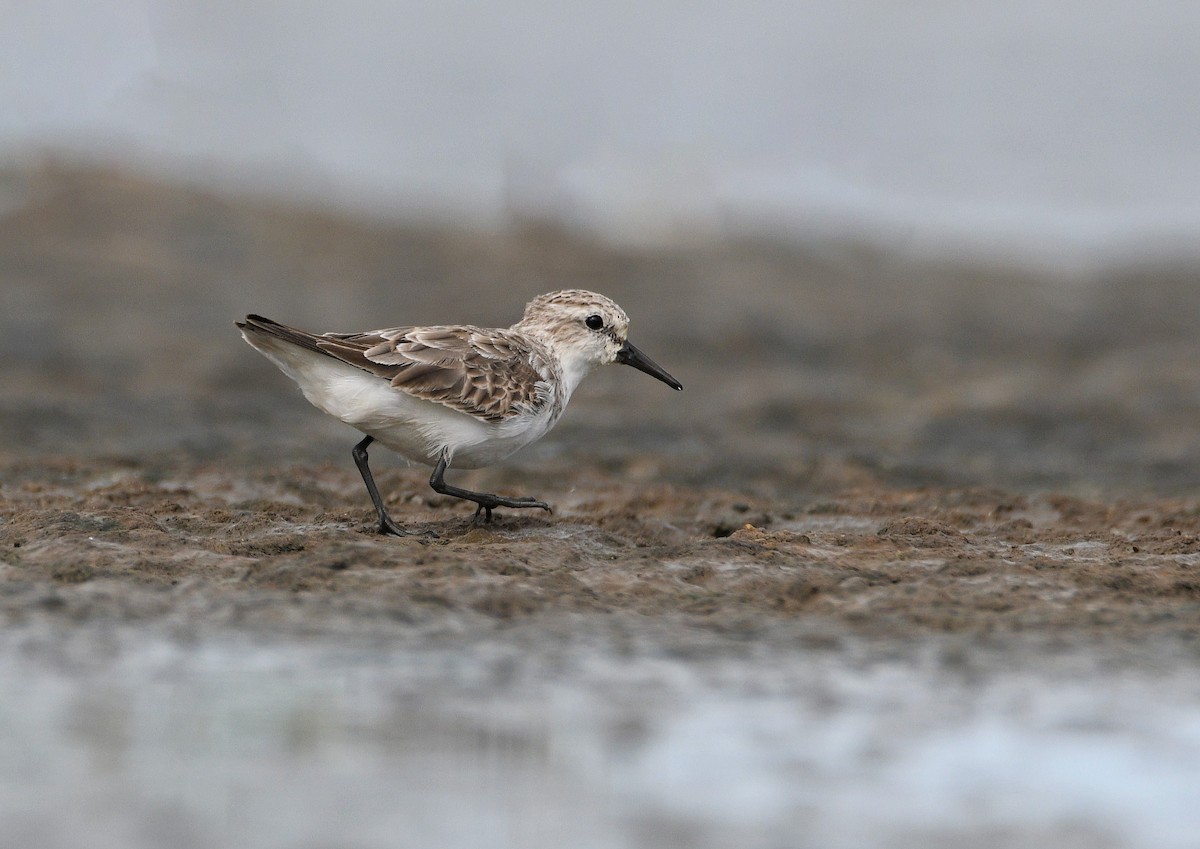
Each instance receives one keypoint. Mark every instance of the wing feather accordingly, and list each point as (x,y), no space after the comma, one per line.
(491,374)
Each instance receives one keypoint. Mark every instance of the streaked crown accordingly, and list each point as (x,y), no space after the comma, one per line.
(566,314)
(565,303)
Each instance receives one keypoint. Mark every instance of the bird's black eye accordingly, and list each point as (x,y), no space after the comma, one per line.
(595,322)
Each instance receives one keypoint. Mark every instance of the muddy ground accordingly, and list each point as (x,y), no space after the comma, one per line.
(868,440)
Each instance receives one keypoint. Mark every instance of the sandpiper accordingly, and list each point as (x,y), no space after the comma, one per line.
(455,394)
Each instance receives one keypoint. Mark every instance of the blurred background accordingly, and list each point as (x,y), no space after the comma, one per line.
(1061,138)
(954,241)
(890,246)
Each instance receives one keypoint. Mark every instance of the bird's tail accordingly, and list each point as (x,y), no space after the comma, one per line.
(258,326)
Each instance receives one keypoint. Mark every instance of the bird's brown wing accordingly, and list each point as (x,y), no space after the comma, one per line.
(490,374)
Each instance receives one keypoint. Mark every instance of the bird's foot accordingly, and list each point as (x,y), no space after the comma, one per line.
(486,501)
(388,527)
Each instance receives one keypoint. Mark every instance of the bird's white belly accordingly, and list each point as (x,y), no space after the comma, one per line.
(413,428)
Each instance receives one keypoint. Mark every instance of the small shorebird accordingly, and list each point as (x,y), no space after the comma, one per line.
(455,393)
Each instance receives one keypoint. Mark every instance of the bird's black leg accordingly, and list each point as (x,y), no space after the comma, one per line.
(485,500)
(386,525)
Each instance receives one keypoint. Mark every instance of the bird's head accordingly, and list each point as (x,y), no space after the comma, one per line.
(585,330)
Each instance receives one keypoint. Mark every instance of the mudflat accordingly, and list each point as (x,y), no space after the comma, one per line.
(864,439)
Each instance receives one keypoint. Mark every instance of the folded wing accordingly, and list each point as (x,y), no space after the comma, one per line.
(491,374)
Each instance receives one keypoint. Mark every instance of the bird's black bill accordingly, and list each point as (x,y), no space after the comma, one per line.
(631,356)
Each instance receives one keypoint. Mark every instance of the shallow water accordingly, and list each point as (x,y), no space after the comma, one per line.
(112,738)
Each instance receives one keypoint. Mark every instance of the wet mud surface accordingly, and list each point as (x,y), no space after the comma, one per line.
(295,545)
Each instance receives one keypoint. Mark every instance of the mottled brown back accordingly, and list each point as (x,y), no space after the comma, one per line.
(491,374)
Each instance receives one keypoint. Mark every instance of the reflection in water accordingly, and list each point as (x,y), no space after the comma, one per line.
(111,741)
